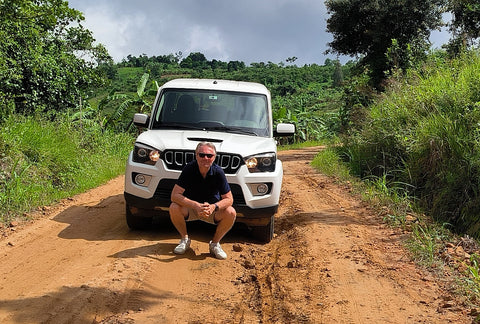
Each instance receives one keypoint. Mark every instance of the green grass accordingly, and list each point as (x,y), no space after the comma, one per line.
(42,162)
(425,240)
(423,132)
(328,162)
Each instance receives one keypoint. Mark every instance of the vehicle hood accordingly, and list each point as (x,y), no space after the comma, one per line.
(244,145)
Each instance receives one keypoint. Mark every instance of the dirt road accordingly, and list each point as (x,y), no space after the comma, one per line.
(331,261)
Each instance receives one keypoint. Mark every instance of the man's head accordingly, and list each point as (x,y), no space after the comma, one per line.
(205,154)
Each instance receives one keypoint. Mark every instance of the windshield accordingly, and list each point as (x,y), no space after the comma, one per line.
(213,110)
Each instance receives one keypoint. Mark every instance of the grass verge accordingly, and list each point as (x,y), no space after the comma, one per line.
(43,162)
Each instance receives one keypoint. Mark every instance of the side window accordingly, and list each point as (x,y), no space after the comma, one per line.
(159,109)
(165,108)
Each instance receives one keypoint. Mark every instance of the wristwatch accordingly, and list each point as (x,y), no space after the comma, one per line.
(216,207)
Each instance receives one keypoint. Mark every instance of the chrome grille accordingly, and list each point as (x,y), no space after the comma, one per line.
(176,160)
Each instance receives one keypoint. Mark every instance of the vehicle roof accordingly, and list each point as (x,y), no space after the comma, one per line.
(215,84)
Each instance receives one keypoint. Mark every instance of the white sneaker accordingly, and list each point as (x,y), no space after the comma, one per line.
(217,251)
(182,246)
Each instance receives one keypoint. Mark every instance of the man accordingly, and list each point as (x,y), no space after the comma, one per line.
(202,193)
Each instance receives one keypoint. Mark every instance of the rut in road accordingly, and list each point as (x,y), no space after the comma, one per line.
(334,261)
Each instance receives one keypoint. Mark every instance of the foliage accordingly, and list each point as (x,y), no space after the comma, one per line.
(137,101)
(425,243)
(40,49)
(465,25)
(329,163)
(44,161)
(366,28)
(424,133)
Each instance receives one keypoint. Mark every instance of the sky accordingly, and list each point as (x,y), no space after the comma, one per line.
(226,30)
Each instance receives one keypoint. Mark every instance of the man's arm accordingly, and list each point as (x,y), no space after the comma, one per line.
(178,198)
(226,201)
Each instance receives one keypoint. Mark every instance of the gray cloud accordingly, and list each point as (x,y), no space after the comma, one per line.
(248,30)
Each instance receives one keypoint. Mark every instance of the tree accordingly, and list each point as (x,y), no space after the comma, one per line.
(465,25)
(235,66)
(194,61)
(337,74)
(366,28)
(46,57)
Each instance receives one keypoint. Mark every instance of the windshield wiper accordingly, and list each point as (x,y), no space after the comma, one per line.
(178,125)
(232,129)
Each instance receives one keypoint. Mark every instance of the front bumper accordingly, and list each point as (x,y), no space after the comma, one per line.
(252,208)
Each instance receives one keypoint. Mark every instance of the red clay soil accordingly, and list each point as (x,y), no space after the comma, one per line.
(332,260)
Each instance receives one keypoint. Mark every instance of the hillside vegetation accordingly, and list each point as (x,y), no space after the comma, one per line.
(422,138)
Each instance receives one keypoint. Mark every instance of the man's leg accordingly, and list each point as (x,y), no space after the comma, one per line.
(177,216)
(225,220)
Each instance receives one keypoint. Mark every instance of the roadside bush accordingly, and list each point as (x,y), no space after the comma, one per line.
(425,133)
(44,161)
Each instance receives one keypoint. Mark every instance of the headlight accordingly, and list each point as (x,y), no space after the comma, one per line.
(261,163)
(145,154)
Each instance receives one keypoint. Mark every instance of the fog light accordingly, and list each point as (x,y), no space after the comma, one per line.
(142,179)
(262,189)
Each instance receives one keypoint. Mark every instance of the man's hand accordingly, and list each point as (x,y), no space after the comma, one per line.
(206,209)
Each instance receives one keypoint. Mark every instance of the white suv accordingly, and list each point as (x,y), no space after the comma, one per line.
(237,118)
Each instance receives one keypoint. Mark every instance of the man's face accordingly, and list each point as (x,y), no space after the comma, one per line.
(205,157)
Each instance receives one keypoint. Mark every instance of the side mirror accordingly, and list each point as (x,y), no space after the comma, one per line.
(284,129)
(141,120)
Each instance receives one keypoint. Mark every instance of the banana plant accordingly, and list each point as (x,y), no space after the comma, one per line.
(138,101)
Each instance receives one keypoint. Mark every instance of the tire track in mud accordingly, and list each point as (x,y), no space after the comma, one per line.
(334,261)
(285,288)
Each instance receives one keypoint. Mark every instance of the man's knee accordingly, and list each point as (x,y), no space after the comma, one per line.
(232,212)
(228,214)
(175,210)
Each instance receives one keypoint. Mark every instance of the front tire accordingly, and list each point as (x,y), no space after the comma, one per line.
(264,233)
(137,221)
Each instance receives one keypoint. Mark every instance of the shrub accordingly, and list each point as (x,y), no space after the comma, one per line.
(44,161)
(425,133)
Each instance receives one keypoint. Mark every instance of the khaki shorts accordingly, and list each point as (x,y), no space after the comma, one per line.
(193,216)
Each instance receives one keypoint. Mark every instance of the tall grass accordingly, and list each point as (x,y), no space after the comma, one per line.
(42,161)
(425,132)
(328,162)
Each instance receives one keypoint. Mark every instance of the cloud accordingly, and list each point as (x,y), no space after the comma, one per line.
(207,40)
(116,31)
(247,30)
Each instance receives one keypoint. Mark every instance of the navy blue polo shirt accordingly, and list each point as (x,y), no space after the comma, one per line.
(208,189)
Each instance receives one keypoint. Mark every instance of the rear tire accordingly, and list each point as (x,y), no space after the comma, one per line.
(264,233)
(137,221)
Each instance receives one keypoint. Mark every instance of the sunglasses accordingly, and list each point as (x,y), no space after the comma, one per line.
(202,155)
